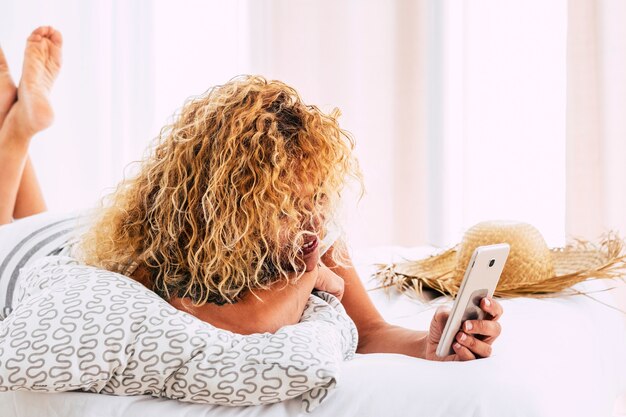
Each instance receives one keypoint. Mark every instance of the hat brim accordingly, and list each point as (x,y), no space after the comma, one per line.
(577,262)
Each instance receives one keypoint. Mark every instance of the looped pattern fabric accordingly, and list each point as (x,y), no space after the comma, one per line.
(75,327)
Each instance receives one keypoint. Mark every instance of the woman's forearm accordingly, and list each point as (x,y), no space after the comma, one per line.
(394,339)
(260,311)
(356,301)
(375,334)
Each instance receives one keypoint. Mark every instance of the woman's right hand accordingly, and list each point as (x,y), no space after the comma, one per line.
(473,340)
(329,282)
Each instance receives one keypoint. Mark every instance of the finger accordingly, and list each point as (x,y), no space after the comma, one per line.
(463,353)
(441,315)
(335,287)
(440,318)
(489,328)
(334,291)
(477,347)
(450,358)
(438,323)
(492,307)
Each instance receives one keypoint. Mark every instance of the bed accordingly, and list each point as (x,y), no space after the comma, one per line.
(556,357)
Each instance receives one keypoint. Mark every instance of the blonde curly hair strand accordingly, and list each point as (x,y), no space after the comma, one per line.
(227,194)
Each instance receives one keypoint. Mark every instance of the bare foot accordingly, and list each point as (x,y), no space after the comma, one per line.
(8,91)
(42,62)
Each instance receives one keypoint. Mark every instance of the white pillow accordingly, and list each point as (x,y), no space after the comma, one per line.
(76,327)
(27,240)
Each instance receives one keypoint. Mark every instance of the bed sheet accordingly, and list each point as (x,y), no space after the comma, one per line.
(556,357)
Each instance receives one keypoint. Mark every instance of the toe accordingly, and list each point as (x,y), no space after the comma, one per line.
(47,32)
(34,37)
(56,37)
(42,30)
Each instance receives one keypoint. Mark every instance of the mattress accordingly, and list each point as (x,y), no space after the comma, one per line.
(561,356)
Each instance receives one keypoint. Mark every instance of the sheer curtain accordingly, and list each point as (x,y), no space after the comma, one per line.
(508,123)
(368,59)
(102,99)
(457,109)
(128,66)
(596,126)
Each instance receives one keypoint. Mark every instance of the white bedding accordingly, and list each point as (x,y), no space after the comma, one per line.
(555,357)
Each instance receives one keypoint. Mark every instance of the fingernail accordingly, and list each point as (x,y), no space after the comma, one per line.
(487,302)
(463,337)
(468,326)
(457,346)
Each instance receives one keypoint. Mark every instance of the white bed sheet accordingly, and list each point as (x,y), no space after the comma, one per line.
(555,357)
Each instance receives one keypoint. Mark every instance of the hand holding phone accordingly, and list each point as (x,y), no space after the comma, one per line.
(480,281)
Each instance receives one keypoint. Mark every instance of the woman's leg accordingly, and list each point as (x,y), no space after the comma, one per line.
(29,199)
(30,114)
(10,167)
(8,90)
(13,153)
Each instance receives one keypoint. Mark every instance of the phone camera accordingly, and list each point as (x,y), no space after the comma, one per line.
(493,261)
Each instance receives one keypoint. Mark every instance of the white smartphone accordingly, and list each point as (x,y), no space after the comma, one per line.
(480,281)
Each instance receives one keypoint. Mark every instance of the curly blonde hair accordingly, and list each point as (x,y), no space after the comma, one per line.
(228,194)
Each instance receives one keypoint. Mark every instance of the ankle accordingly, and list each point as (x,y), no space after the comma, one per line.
(14,134)
(25,124)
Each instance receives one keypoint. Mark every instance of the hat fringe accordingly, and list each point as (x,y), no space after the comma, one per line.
(412,277)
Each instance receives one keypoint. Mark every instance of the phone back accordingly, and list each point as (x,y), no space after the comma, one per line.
(481,278)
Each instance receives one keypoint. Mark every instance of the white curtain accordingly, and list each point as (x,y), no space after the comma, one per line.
(102,99)
(596,122)
(458,109)
(368,59)
(506,114)
(128,66)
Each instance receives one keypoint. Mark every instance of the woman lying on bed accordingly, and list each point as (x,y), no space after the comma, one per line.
(227,215)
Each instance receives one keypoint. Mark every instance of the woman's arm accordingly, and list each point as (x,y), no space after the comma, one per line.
(376,335)
(262,311)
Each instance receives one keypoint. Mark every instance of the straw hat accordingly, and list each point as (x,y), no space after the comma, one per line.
(532,269)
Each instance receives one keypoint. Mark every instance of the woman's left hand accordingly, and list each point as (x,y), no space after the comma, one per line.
(475,338)
(329,282)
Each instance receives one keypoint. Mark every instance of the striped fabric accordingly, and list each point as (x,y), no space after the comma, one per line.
(28,239)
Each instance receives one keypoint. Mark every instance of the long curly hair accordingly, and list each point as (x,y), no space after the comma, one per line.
(228,194)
